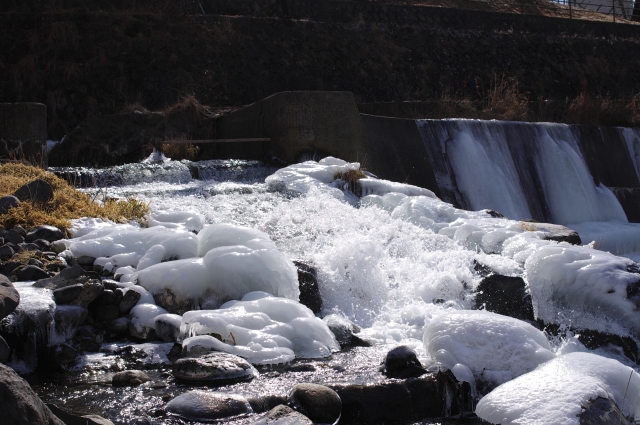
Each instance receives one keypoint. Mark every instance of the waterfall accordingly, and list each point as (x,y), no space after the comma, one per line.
(522,170)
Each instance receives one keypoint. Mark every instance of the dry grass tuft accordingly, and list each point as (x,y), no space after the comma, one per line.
(351,177)
(589,110)
(67,202)
(180,151)
(189,108)
(505,101)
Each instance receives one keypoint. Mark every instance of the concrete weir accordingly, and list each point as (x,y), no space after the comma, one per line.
(23,132)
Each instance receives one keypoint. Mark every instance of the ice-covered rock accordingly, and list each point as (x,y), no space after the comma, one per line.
(143,320)
(495,348)
(261,328)
(559,390)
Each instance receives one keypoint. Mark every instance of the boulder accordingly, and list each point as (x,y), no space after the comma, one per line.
(63,357)
(9,297)
(109,297)
(18,228)
(5,351)
(554,232)
(11,236)
(27,246)
(37,191)
(87,338)
(58,247)
(214,368)
(308,283)
(602,411)
(283,415)
(266,402)
(345,331)
(172,303)
(106,312)
(6,251)
(92,288)
(402,362)
(207,406)
(19,404)
(129,378)
(505,295)
(8,202)
(31,273)
(86,260)
(47,233)
(35,262)
(317,402)
(66,277)
(68,318)
(168,327)
(43,244)
(128,301)
(119,325)
(71,419)
(67,294)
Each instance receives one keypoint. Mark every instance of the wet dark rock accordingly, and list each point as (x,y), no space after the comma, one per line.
(595,339)
(71,419)
(9,297)
(85,260)
(494,214)
(106,312)
(129,378)
(66,277)
(91,290)
(264,403)
(10,267)
(35,262)
(36,191)
(602,411)
(58,247)
(63,357)
(119,325)
(56,267)
(87,338)
(308,283)
(43,244)
(11,236)
(317,402)
(27,246)
(167,330)
(69,317)
(8,202)
(214,368)
(345,331)
(48,233)
(207,406)
(5,351)
(554,232)
(108,297)
(67,294)
(300,368)
(283,415)
(6,251)
(481,270)
(112,285)
(31,273)
(402,362)
(18,228)
(172,303)
(505,295)
(19,404)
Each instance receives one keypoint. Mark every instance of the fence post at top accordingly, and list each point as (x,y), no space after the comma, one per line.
(570,14)
(613,3)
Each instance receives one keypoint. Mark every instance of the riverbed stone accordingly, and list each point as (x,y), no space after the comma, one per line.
(31,273)
(8,202)
(602,411)
(45,245)
(173,303)
(19,404)
(553,232)
(38,191)
(58,246)
(63,357)
(27,246)
(129,378)
(67,294)
(214,368)
(71,419)
(92,288)
(6,251)
(9,297)
(11,236)
(5,351)
(308,284)
(166,329)
(119,325)
(35,262)
(207,406)
(345,331)
(402,362)
(106,312)
(505,295)
(66,277)
(48,233)
(283,415)
(128,301)
(86,260)
(317,402)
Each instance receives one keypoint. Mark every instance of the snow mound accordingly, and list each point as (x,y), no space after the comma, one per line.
(260,328)
(556,392)
(496,348)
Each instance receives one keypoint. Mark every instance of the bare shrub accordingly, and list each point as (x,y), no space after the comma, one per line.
(505,101)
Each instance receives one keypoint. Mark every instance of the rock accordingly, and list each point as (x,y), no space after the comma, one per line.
(9,297)
(32,273)
(25,246)
(308,283)
(106,312)
(8,202)
(6,251)
(58,247)
(43,244)
(5,351)
(71,419)
(207,406)
(505,295)
(11,236)
(214,368)
(119,325)
(37,191)
(602,411)
(264,403)
(68,318)
(402,362)
(112,285)
(19,404)
(345,331)
(63,357)
(129,300)
(168,327)
(91,290)
(66,277)
(317,402)
(35,262)
(18,228)
(87,338)
(67,294)
(142,332)
(129,378)
(85,260)
(553,232)
(283,415)
(172,303)
(109,297)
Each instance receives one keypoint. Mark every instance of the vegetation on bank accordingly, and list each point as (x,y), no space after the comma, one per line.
(67,203)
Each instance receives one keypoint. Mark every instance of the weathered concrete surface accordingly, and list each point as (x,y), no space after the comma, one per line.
(629,198)
(23,131)
(302,125)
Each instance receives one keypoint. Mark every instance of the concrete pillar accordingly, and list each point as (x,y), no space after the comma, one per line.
(23,132)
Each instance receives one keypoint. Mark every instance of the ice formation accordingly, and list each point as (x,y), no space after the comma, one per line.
(495,348)
(261,328)
(557,391)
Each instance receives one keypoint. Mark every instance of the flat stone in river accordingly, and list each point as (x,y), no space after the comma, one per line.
(214,368)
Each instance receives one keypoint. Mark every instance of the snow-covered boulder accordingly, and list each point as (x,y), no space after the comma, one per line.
(260,328)
(557,391)
(495,348)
